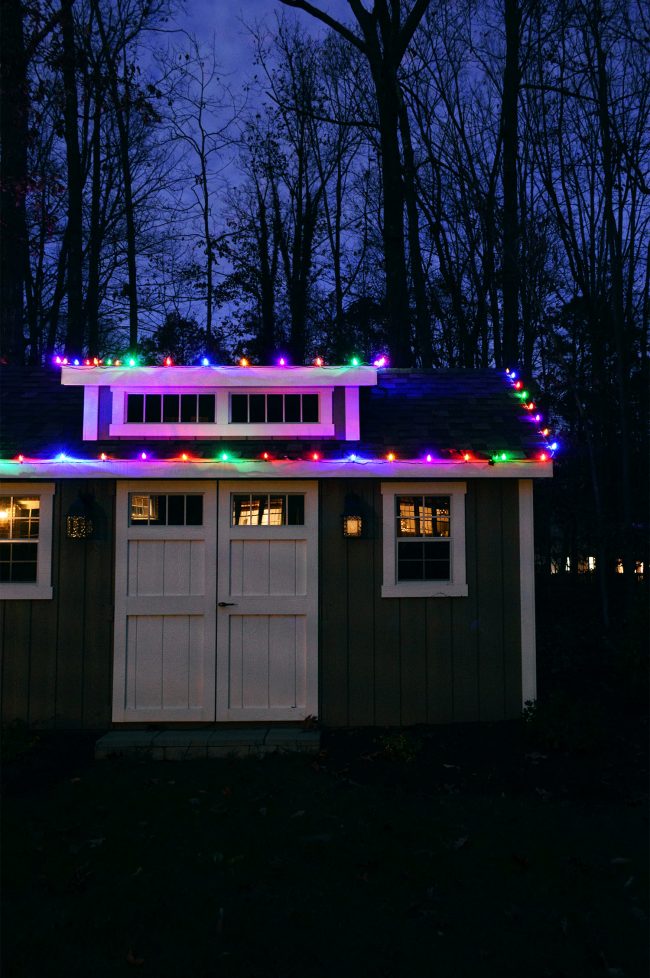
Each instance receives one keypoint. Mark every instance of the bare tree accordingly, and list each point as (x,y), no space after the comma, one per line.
(383,39)
(200,114)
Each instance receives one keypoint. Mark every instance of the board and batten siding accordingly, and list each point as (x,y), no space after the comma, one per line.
(57,654)
(403,661)
(382,661)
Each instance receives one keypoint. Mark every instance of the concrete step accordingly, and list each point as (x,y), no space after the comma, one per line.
(180,745)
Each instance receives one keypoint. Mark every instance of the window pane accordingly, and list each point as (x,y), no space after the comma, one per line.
(437,564)
(275,407)
(157,510)
(257,408)
(5,517)
(409,570)
(310,407)
(206,408)
(188,407)
(194,510)
(423,561)
(246,510)
(273,511)
(170,407)
(436,516)
(409,562)
(153,408)
(292,407)
(134,407)
(175,510)
(139,509)
(23,563)
(406,522)
(296,510)
(239,408)
(411,551)
(436,570)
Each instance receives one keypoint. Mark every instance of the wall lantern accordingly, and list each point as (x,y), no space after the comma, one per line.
(78,522)
(352,517)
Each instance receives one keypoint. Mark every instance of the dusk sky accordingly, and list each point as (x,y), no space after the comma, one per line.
(227,21)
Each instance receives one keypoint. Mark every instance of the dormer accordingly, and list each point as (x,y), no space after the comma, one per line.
(220,402)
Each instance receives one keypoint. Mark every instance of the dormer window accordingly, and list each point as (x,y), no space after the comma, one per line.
(274,408)
(170,408)
(221,402)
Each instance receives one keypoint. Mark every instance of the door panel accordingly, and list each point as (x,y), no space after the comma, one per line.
(267,624)
(165,598)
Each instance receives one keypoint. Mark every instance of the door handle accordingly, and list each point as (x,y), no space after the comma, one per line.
(227,604)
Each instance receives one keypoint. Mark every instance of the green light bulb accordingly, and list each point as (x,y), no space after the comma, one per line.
(355,361)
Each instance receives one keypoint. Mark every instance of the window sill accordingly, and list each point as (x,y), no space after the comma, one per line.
(26,592)
(424,590)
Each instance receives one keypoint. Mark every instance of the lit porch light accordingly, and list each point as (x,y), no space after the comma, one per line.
(352,517)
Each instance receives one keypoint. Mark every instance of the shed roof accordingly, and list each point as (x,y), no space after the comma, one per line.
(409,412)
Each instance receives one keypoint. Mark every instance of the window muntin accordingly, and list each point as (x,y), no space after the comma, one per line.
(170,408)
(274,409)
(19,530)
(165,509)
(423,538)
(267,509)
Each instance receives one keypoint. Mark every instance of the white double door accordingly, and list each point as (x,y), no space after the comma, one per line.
(216,601)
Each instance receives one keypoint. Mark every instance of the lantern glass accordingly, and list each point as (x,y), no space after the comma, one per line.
(352,526)
(78,527)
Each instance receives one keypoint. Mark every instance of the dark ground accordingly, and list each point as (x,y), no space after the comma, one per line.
(515,849)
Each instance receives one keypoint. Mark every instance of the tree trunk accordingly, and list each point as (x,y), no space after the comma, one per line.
(510,260)
(422,320)
(121,109)
(397,297)
(267,285)
(75,327)
(14,107)
(94,246)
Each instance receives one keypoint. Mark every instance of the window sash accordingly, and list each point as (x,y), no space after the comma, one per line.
(156,408)
(274,408)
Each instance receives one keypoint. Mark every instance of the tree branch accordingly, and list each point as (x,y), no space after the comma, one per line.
(325,18)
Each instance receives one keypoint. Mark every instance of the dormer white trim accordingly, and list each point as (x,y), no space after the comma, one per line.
(106,390)
(232,377)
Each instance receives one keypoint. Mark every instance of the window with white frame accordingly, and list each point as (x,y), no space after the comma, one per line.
(423,539)
(26,540)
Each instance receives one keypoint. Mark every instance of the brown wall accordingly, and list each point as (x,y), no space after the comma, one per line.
(401,661)
(57,655)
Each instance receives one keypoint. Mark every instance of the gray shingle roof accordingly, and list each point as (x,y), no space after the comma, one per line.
(409,412)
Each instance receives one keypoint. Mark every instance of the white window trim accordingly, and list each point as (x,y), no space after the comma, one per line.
(41,590)
(457,586)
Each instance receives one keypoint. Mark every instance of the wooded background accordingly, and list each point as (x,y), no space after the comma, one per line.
(454,184)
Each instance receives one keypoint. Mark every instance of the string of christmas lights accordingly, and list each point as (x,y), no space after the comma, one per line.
(130,360)
(451,455)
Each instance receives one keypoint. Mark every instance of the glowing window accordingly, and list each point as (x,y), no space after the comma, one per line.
(26,541)
(267,509)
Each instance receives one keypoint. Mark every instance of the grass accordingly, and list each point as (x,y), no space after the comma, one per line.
(515,849)
(385,856)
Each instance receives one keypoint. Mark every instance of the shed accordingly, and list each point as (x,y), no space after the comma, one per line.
(228,544)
